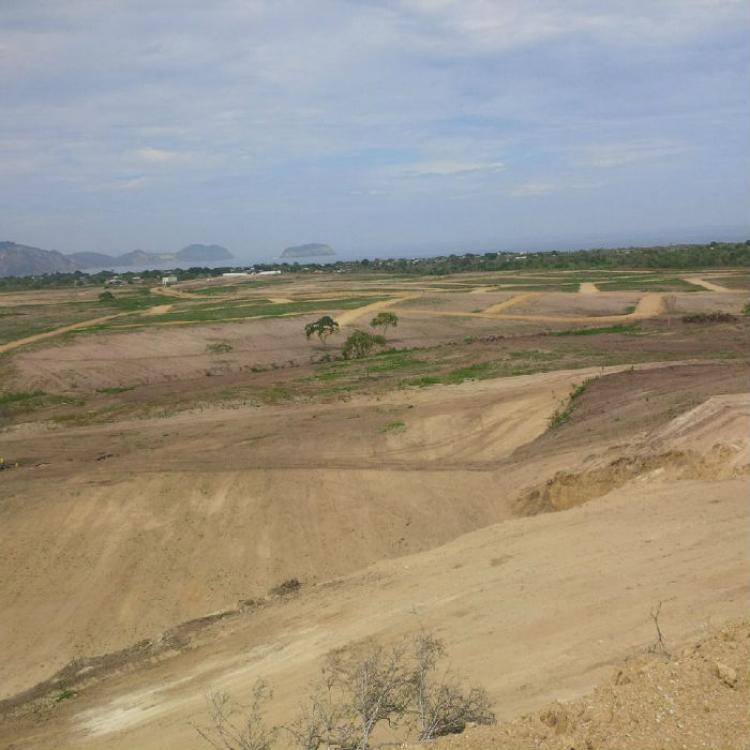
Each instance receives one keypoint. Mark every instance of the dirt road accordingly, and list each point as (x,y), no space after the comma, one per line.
(348,317)
(58,331)
(587,287)
(698,281)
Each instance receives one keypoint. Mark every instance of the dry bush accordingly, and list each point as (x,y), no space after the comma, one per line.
(439,703)
(227,731)
(361,689)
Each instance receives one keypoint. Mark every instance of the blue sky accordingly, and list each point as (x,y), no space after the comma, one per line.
(380,127)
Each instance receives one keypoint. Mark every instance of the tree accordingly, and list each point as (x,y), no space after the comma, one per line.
(384,320)
(360,344)
(322,328)
(247,733)
(439,704)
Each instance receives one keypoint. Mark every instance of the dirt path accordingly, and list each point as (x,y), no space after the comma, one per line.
(698,281)
(158,310)
(58,331)
(500,306)
(280,300)
(350,316)
(649,306)
(587,287)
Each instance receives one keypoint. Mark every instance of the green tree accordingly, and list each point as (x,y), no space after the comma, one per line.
(360,344)
(322,328)
(384,320)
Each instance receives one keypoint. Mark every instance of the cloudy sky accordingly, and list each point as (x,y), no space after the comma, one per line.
(378,126)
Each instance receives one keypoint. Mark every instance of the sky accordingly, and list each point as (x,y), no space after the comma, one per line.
(380,127)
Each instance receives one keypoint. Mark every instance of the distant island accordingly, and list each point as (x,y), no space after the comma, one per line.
(26,260)
(310,250)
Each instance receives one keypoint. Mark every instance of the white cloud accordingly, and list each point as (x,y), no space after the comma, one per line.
(447,168)
(607,156)
(158,155)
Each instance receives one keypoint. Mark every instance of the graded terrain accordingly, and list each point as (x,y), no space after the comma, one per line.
(528,467)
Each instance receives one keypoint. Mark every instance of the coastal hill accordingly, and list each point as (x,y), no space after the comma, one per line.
(310,250)
(25,260)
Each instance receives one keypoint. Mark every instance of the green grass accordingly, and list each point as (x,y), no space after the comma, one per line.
(478,371)
(28,400)
(395,426)
(628,329)
(13,397)
(564,411)
(115,390)
(253,309)
(649,284)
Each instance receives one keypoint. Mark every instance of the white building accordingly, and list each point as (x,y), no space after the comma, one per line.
(167,280)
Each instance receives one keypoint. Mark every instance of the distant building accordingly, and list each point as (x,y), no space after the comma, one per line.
(234,274)
(268,273)
(116,281)
(167,280)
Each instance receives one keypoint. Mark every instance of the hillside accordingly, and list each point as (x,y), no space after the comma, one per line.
(310,250)
(25,260)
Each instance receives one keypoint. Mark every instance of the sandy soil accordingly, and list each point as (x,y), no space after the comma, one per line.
(694,697)
(536,554)
(588,288)
(710,285)
(26,340)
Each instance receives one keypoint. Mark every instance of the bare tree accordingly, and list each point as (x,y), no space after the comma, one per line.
(439,704)
(660,644)
(230,732)
(374,682)
(327,722)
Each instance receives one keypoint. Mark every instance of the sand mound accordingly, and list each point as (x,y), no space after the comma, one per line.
(686,448)
(698,698)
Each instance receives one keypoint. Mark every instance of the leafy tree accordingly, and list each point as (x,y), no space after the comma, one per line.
(322,328)
(360,344)
(384,320)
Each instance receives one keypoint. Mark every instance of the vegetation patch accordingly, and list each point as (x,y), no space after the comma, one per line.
(563,412)
(628,329)
(220,347)
(715,317)
(115,390)
(395,426)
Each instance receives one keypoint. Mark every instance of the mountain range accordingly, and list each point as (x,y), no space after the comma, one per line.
(25,260)
(310,250)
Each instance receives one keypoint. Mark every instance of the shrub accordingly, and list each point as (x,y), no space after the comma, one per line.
(360,344)
(714,317)
(220,347)
(361,688)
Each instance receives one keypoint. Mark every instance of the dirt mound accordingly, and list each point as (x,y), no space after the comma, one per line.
(683,449)
(566,489)
(696,699)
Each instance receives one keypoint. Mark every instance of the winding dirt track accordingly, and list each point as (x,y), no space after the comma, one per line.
(587,287)
(350,316)
(698,281)
(649,306)
(58,331)
(500,306)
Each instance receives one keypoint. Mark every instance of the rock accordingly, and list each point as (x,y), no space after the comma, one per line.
(726,674)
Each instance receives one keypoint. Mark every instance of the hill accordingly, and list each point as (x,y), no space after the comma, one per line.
(91,260)
(310,250)
(25,260)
